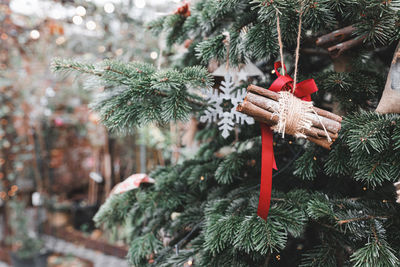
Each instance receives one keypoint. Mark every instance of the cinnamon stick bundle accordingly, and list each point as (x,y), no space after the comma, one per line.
(261,104)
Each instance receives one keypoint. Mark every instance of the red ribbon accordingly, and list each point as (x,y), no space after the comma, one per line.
(303,91)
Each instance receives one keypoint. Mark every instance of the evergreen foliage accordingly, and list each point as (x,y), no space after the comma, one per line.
(329,208)
(146,95)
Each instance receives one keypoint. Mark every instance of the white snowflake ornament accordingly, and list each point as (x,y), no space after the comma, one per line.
(226,118)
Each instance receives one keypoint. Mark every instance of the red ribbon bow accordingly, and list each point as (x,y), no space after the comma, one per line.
(303,91)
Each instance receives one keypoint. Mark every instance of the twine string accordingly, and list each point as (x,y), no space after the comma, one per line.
(227,42)
(294,114)
(297,49)
(278,29)
(323,126)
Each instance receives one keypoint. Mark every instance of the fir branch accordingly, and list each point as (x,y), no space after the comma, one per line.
(378,254)
(365,218)
(137,94)
(142,247)
(319,256)
(115,210)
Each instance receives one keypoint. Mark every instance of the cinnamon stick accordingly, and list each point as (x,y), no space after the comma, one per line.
(339,35)
(339,49)
(321,142)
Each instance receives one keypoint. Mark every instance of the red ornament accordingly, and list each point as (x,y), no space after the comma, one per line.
(183,10)
(187,43)
(132,182)
(58,122)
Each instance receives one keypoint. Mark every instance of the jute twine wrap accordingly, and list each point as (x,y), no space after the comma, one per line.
(295,115)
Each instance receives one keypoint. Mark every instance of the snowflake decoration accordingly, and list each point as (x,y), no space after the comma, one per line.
(216,112)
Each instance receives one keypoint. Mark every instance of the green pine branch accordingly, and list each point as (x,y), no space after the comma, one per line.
(136,93)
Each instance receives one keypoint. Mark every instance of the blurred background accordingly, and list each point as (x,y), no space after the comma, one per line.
(57,163)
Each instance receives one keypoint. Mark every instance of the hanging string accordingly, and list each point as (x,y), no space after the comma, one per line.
(227,43)
(278,29)
(297,49)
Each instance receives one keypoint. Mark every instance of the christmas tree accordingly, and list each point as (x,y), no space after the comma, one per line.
(329,207)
